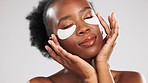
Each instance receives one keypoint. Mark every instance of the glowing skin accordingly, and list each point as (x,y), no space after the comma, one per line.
(94,20)
(65,33)
(50,12)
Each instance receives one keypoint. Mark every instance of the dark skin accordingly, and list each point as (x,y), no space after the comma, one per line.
(84,64)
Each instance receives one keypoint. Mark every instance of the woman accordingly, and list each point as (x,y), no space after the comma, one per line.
(76,42)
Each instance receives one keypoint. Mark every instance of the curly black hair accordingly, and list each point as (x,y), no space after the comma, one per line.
(38,34)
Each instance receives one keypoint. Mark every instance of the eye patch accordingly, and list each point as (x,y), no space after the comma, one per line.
(95,21)
(65,33)
(92,20)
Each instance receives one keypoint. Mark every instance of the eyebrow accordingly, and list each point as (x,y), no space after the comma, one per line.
(66,17)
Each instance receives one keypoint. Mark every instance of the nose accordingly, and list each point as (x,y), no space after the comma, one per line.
(83,29)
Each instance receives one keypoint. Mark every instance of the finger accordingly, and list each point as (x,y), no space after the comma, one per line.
(108,46)
(113,16)
(112,21)
(68,55)
(104,24)
(54,38)
(110,42)
(53,45)
(53,54)
(112,39)
(109,19)
(63,59)
(58,53)
(115,32)
(107,50)
(112,25)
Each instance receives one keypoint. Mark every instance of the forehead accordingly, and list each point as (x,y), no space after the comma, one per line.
(65,7)
(70,6)
(71,3)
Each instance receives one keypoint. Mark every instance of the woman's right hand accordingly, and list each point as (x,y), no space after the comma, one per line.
(71,62)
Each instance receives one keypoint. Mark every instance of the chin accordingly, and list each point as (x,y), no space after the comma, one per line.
(88,54)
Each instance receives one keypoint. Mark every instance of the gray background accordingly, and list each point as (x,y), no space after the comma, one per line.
(19,61)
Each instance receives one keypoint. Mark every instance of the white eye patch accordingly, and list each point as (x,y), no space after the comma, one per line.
(93,20)
(65,33)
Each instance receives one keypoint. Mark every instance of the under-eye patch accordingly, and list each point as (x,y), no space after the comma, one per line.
(95,21)
(92,20)
(65,33)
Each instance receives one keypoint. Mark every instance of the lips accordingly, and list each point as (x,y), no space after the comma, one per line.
(89,41)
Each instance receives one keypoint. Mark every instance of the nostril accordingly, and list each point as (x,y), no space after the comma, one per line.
(87,30)
(81,32)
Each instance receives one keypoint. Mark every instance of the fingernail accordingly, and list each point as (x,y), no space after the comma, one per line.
(115,16)
(46,47)
(49,41)
(98,13)
(52,35)
(50,38)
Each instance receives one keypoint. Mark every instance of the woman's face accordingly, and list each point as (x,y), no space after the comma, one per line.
(81,37)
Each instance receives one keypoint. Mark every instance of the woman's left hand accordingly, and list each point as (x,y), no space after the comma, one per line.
(110,40)
(101,60)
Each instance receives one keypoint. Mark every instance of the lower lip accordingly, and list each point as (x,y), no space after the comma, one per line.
(89,43)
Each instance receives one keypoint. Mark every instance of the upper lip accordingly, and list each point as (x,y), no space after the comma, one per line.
(87,39)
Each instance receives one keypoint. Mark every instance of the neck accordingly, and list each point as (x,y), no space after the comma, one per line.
(90,61)
(74,75)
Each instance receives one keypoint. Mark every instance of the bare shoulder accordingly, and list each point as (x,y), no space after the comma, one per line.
(130,77)
(40,80)
(55,78)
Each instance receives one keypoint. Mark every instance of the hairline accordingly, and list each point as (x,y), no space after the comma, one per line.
(46,16)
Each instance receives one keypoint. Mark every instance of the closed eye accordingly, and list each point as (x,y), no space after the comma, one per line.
(92,20)
(89,17)
(68,26)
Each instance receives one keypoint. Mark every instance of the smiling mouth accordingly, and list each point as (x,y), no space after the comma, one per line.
(89,41)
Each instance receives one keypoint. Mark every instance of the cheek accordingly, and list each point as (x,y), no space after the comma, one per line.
(69,44)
